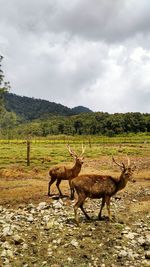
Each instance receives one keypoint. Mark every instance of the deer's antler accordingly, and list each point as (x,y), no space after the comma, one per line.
(83,150)
(120,165)
(129,163)
(72,153)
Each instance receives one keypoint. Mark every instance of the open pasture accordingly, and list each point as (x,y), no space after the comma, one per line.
(37,230)
(19,182)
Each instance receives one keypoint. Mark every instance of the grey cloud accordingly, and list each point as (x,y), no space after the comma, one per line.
(78,52)
(61,73)
(109,20)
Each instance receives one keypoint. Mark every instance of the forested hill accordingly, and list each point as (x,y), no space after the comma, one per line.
(31,108)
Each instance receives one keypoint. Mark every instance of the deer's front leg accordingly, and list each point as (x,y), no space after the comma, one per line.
(71,190)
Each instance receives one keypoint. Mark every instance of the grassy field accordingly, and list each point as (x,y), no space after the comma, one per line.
(21,183)
(53,151)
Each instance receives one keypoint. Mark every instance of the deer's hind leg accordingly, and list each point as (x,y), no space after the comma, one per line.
(102,206)
(83,210)
(79,204)
(52,180)
(57,184)
(107,199)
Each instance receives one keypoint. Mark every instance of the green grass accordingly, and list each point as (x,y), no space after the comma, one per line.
(53,151)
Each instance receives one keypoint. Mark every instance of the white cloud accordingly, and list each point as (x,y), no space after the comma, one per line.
(92,53)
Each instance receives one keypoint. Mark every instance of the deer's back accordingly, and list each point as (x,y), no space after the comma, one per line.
(94,186)
(60,172)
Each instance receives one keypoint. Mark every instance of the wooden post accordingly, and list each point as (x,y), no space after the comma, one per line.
(28,153)
(90,144)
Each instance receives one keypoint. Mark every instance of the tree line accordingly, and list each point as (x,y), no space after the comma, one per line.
(97,123)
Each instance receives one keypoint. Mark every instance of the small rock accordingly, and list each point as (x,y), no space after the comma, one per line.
(7,231)
(18,240)
(130,235)
(49,225)
(6,245)
(3,238)
(57,205)
(30,206)
(44,263)
(147,255)
(24,246)
(130,256)
(70,259)
(7,253)
(74,243)
(1,208)
(122,254)
(141,240)
(30,218)
(145,263)
(42,206)
(3,254)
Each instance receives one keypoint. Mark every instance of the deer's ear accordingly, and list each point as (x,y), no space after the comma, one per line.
(133,168)
(122,169)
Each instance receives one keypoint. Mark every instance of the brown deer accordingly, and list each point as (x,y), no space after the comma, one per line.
(64,173)
(100,186)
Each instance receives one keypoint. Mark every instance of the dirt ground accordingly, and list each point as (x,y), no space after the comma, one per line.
(51,237)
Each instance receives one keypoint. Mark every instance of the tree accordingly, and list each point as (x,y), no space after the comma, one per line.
(78,125)
(4,87)
(7,119)
(61,127)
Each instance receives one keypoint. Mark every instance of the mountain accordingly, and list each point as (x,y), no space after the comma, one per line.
(31,108)
(80,109)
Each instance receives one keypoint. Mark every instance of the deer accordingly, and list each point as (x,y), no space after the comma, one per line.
(60,173)
(97,186)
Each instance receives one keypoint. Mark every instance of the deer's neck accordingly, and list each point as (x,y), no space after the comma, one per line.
(122,182)
(76,169)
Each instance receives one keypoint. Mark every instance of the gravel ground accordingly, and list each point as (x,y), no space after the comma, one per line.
(45,233)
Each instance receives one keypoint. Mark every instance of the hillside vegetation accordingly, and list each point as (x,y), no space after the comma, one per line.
(24,116)
(30,108)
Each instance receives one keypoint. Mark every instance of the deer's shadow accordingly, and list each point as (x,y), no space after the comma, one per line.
(56,197)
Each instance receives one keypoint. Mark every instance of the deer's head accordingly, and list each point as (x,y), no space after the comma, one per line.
(78,159)
(127,170)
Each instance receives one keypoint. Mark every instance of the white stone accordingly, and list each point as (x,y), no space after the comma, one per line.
(30,218)
(70,259)
(141,240)
(7,231)
(42,206)
(123,253)
(57,205)
(130,235)
(74,243)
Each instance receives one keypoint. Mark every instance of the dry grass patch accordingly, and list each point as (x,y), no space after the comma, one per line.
(142,206)
(18,191)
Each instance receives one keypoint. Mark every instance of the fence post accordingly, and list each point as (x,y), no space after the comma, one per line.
(28,153)
(90,144)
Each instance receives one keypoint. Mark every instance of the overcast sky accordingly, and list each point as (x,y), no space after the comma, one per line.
(94,53)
